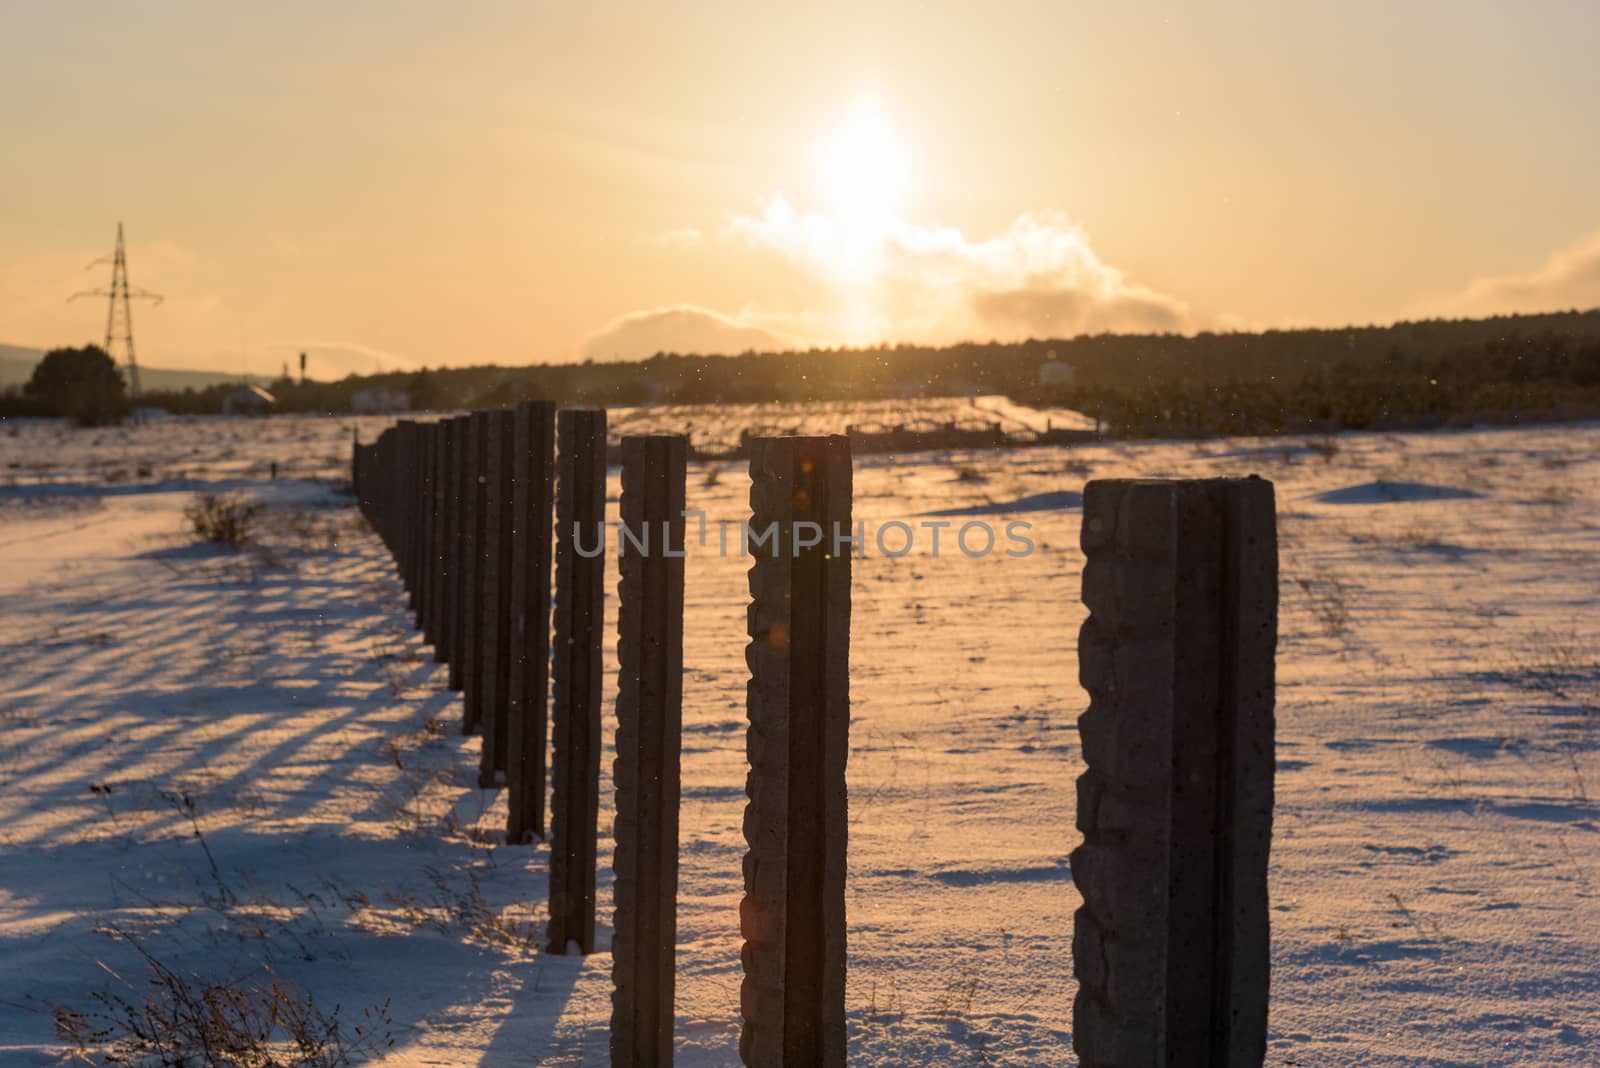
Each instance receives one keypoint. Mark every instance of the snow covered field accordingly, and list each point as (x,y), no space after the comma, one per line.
(246,764)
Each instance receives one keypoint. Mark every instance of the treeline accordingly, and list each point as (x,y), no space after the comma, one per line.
(1547,376)
(1412,373)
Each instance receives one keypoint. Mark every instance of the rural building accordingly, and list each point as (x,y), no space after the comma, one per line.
(380,400)
(248,400)
(1055,373)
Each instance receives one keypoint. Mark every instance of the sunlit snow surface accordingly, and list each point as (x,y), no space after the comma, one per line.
(1436,869)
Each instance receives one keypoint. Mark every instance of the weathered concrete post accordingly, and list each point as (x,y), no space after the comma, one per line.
(448,579)
(404,498)
(496,607)
(460,484)
(649,737)
(423,519)
(373,483)
(579,619)
(1171,944)
(357,463)
(793,916)
(532,501)
(472,593)
(438,579)
(415,479)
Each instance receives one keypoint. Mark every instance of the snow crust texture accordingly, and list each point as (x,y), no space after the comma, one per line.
(1435,870)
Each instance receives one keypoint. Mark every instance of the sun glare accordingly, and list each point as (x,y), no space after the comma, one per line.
(865,169)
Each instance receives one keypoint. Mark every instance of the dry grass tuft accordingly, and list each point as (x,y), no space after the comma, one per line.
(1328,599)
(1554,662)
(175,1020)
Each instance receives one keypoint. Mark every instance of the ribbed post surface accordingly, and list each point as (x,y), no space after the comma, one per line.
(1171,944)
(496,607)
(649,738)
(532,503)
(439,578)
(579,619)
(477,485)
(460,546)
(424,523)
(793,913)
(449,524)
(404,508)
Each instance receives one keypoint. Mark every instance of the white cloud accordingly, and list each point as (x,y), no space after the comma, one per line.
(684,328)
(1570,278)
(904,281)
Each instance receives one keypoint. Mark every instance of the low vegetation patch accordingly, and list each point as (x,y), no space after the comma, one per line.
(222,518)
(176,1020)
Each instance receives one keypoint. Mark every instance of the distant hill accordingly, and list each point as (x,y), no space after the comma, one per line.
(17,363)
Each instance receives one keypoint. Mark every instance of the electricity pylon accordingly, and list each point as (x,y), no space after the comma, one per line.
(119,316)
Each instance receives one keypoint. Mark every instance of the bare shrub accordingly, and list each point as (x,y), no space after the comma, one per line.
(181,1020)
(1327,598)
(955,1003)
(966,473)
(1555,662)
(456,906)
(222,518)
(1413,536)
(1327,448)
(891,1008)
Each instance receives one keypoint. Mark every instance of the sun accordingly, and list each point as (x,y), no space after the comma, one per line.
(865,168)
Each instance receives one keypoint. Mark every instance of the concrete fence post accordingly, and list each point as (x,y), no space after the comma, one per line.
(649,739)
(461,526)
(793,913)
(497,532)
(1171,944)
(422,479)
(449,577)
(579,620)
(476,493)
(357,465)
(439,468)
(405,478)
(391,463)
(424,524)
(532,502)
(373,484)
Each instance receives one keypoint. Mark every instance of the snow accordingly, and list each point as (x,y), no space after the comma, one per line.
(1049,501)
(1436,866)
(1382,492)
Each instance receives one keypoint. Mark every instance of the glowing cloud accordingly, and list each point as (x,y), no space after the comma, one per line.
(908,281)
(867,274)
(1569,279)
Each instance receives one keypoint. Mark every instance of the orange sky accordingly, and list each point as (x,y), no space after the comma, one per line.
(397,184)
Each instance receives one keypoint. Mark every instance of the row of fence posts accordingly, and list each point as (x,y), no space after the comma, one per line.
(1170,947)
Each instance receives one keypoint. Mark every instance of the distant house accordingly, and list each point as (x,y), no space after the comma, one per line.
(380,400)
(248,400)
(1055,373)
